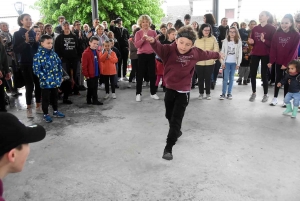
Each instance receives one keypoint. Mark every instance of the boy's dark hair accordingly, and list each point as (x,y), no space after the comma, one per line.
(111,41)
(200,32)
(65,22)
(187,32)
(171,30)
(39,23)
(76,21)
(45,37)
(61,17)
(106,41)
(187,17)
(20,147)
(163,25)
(93,38)
(296,62)
(210,19)
(224,19)
(21,17)
(152,26)
(178,24)
(35,27)
(47,25)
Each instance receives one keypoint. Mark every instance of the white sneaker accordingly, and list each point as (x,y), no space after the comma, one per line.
(144,84)
(29,113)
(147,84)
(129,85)
(138,98)
(208,97)
(113,95)
(102,86)
(125,79)
(39,110)
(106,96)
(154,97)
(274,101)
(283,104)
(200,97)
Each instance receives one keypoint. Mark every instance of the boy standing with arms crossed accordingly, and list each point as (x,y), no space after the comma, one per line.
(179,60)
(91,70)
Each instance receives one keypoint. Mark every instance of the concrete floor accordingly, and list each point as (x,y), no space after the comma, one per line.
(229,151)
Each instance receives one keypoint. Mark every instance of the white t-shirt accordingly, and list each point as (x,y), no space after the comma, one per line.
(231,58)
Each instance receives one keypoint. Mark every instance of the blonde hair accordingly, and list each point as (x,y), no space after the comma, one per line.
(98,27)
(142,18)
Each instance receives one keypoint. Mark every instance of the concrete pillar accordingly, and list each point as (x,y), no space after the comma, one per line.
(94,9)
(216,10)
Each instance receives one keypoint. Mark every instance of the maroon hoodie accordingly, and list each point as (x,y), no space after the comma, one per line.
(284,47)
(262,48)
(179,68)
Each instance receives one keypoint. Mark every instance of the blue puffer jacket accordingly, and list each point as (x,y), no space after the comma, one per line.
(47,67)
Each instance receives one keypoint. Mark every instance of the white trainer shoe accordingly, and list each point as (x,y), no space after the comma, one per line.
(274,101)
(113,95)
(29,113)
(138,98)
(39,110)
(154,97)
(102,86)
(106,96)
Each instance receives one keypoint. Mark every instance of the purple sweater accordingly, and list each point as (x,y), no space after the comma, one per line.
(143,46)
(179,68)
(262,48)
(284,47)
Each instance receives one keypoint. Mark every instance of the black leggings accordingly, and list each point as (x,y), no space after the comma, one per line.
(279,74)
(134,66)
(49,94)
(146,65)
(264,71)
(111,79)
(124,52)
(31,82)
(204,73)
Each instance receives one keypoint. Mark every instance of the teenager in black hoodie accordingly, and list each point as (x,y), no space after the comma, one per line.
(67,48)
(25,45)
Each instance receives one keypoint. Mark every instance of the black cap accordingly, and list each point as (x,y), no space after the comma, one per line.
(13,133)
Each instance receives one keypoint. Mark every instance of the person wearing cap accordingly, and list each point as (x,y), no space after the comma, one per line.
(122,35)
(14,144)
(179,60)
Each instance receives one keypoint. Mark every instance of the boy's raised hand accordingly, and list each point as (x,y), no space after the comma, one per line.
(278,84)
(150,39)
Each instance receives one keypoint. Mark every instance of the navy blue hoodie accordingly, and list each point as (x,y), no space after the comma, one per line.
(24,51)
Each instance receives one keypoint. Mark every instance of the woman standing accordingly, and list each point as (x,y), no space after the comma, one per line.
(146,57)
(284,49)
(25,45)
(261,38)
(205,68)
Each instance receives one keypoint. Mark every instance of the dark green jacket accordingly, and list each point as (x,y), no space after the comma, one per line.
(3,60)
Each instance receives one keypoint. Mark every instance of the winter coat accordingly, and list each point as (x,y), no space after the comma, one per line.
(108,64)
(210,44)
(47,67)
(238,51)
(88,63)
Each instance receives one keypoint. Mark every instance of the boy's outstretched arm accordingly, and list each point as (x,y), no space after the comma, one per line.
(161,50)
(202,55)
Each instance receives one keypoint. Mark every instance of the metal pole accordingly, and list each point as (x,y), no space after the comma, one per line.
(216,10)
(94,4)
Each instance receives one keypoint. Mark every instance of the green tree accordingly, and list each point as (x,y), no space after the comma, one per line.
(128,10)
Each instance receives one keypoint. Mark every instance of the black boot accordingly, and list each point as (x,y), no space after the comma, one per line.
(212,85)
(239,81)
(245,82)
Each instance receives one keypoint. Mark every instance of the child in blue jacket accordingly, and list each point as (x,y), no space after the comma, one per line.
(48,68)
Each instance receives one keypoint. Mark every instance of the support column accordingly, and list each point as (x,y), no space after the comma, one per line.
(216,10)
(94,4)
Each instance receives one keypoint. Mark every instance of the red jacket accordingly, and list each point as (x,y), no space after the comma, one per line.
(88,68)
(108,64)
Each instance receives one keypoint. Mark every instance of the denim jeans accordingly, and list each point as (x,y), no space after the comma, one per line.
(228,75)
(289,96)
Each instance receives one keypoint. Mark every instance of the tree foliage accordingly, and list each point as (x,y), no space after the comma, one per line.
(128,10)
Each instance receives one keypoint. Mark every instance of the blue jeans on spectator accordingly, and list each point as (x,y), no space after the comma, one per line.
(228,75)
(289,96)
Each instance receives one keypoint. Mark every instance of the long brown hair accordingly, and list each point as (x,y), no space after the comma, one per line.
(236,37)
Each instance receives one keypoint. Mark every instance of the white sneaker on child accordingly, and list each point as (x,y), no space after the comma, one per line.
(154,97)
(102,86)
(138,98)
(39,110)
(113,95)
(274,101)
(106,96)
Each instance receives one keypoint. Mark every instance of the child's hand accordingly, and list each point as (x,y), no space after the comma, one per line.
(27,37)
(150,39)
(1,75)
(250,41)
(223,66)
(237,67)
(0,82)
(262,37)
(283,67)
(269,65)
(157,37)
(108,56)
(278,84)
(222,56)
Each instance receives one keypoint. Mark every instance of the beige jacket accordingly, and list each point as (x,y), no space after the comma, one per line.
(209,44)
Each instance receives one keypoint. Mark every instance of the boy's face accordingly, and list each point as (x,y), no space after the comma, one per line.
(93,44)
(37,30)
(292,69)
(17,158)
(49,30)
(187,21)
(172,36)
(107,46)
(184,45)
(111,44)
(48,43)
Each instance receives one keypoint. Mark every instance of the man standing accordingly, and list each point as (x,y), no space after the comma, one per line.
(96,22)
(58,29)
(187,19)
(122,35)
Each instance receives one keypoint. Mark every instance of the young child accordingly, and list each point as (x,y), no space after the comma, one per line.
(179,60)
(170,37)
(91,70)
(14,147)
(48,68)
(119,56)
(293,79)
(232,49)
(244,69)
(108,60)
